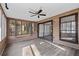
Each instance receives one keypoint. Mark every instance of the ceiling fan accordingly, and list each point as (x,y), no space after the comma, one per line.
(37,13)
(6,6)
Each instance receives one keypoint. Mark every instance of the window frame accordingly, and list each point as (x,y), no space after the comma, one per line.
(0,25)
(76,28)
(28,24)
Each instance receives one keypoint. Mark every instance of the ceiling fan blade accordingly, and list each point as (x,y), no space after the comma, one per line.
(6,6)
(32,12)
(38,16)
(42,14)
(40,11)
(33,15)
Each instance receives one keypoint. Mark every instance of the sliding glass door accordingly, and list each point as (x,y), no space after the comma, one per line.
(45,30)
(41,30)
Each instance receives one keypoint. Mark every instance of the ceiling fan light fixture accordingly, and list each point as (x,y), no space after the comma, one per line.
(6,6)
(38,13)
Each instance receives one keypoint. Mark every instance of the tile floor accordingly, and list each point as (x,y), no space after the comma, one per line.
(44,48)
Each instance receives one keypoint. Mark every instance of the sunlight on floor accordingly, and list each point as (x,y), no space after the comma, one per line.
(26,51)
(59,47)
(56,46)
(35,50)
(30,51)
(42,42)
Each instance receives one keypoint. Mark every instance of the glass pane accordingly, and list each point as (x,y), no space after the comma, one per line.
(24,27)
(0,24)
(47,29)
(11,27)
(30,28)
(73,26)
(18,27)
(68,26)
(64,26)
(63,31)
(41,28)
(35,27)
(67,19)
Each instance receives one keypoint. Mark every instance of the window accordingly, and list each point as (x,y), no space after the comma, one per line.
(11,27)
(19,27)
(68,28)
(0,24)
(30,28)
(24,27)
(35,27)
